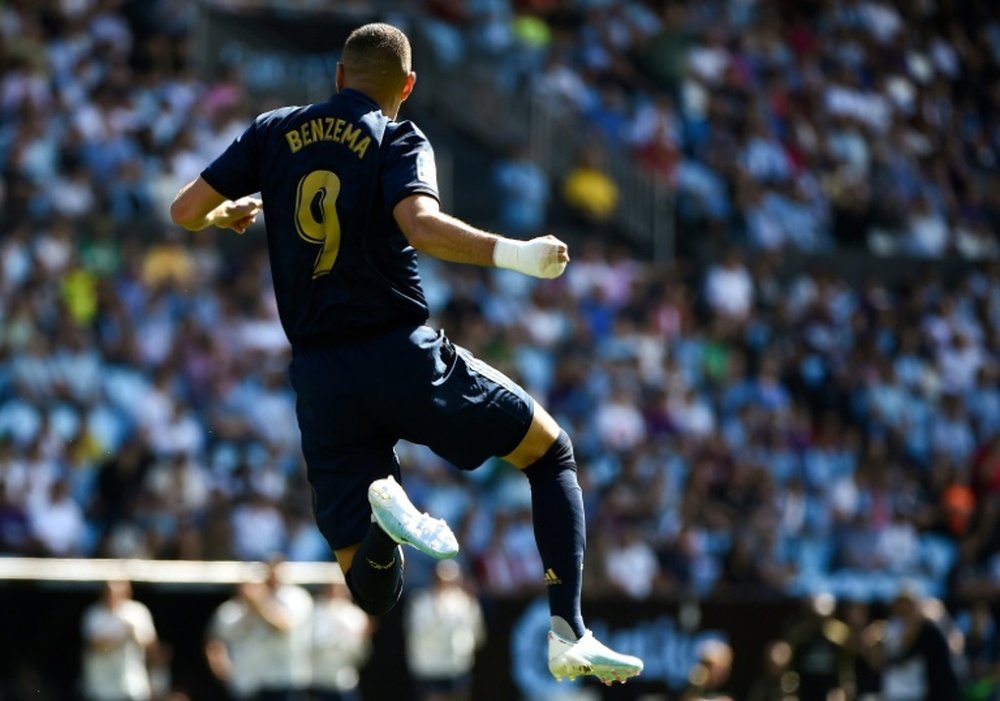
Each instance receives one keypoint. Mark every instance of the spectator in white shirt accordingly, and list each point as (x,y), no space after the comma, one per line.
(960,362)
(619,422)
(444,626)
(729,288)
(928,233)
(691,415)
(117,632)
(284,610)
(341,634)
(259,641)
(230,647)
(631,565)
(57,522)
(180,482)
(258,528)
(898,546)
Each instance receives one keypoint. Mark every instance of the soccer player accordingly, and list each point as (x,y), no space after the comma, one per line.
(350,196)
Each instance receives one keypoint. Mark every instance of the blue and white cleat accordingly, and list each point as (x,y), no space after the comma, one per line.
(588,656)
(398,517)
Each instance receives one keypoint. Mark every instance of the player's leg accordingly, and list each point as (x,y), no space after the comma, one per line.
(345,450)
(373,571)
(348,444)
(371,561)
(345,556)
(472,412)
(373,568)
(545,455)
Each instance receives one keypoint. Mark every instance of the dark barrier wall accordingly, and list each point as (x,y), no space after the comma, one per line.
(40,642)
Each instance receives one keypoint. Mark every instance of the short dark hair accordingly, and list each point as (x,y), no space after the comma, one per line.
(378,52)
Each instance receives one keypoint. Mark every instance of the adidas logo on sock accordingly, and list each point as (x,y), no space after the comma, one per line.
(551,578)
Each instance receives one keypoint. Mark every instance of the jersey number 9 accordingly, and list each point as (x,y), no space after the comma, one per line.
(316,216)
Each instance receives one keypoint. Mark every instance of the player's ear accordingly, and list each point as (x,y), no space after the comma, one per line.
(339,79)
(411,78)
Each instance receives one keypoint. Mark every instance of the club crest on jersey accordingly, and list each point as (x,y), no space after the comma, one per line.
(426,168)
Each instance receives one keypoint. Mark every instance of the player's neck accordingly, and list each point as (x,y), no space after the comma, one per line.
(389,106)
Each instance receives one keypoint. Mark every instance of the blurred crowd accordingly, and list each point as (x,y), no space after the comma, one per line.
(741,428)
(275,641)
(102,115)
(917,652)
(784,125)
(737,428)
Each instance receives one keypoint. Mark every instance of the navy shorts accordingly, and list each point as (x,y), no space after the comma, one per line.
(355,400)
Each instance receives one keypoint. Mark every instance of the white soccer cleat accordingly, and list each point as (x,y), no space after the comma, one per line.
(588,656)
(398,517)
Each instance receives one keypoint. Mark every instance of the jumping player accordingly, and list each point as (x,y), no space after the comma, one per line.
(351,196)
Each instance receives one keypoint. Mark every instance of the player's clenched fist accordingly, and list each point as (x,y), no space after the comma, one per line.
(239,215)
(544,257)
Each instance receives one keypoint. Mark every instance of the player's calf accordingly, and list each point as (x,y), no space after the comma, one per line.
(560,533)
(375,577)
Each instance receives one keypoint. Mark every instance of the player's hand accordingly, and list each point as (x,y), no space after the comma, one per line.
(240,215)
(544,256)
(253,593)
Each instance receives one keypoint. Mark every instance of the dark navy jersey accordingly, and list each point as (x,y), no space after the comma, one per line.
(330,175)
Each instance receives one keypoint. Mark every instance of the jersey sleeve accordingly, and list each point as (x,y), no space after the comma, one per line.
(145,630)
(409,167)
(234,174)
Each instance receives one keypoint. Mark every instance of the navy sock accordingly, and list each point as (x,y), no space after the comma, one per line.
(376,574)
(560,529)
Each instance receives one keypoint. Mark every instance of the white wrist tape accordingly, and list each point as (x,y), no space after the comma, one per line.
(536,258)
(506,253)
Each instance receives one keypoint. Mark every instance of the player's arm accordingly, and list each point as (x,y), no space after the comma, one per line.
(198,206)
(219,661)
(443,236)
(268,608)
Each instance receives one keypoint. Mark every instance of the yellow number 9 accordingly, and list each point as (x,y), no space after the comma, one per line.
(316,216)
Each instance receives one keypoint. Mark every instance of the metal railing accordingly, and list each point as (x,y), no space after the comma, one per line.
(468,96)
(176,572)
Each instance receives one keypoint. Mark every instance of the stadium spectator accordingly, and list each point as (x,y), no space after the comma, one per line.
(729,288)
(229,647)
(859,646)
(980,649)
(258,527)
(282,613)
(820,660)
(444,627)
(57,521)
(340,644)
(118,633)
(630,564)
(589,192)
(913,653)
(522,194)
(259,642)
(708,678)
